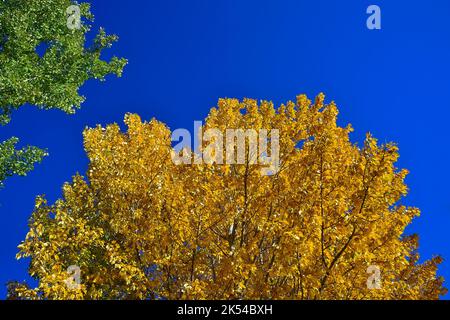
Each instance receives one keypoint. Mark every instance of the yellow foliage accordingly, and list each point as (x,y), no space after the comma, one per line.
(141,227)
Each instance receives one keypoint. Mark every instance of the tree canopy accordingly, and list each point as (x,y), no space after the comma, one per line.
(44,62)
(139,226)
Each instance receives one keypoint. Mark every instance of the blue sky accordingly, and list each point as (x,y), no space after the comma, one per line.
(184,55)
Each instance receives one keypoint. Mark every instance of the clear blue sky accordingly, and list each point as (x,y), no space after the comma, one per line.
(184,55)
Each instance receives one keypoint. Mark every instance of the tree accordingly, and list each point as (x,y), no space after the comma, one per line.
(44,62)
(141,226)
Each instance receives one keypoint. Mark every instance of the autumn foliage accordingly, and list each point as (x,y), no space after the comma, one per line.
(141,227)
